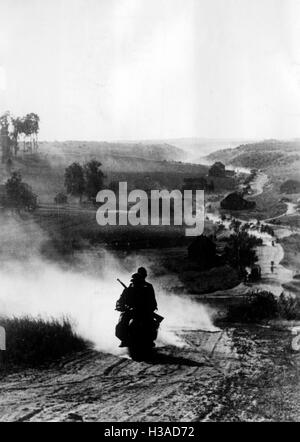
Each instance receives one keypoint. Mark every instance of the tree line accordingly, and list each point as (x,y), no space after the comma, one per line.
(26,127)
(84,179)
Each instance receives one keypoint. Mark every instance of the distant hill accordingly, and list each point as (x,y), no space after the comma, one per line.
(141,165)
(150,151)
(197,148)
(191,150)
(259,155)
(120,157)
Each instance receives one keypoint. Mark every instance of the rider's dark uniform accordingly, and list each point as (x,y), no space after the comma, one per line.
(138,298)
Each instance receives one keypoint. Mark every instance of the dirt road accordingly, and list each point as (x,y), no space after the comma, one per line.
(236,374)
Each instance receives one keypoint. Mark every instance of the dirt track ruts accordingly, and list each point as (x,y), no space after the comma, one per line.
(226,375)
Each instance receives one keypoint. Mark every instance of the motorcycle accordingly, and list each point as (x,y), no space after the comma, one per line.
(142,333)
(139,332)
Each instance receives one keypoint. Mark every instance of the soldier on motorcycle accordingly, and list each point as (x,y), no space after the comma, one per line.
(138,299)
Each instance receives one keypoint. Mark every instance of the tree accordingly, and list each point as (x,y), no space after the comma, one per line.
(74,180)
(94,178)
(19,195)
(5,119)
(27,126)
(239,251)
(17,130)
(31,126)
(5,140)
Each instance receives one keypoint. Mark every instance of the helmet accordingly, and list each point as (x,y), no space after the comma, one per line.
(142,271)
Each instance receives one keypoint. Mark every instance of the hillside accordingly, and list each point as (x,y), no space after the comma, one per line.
(141,165)
(197,148)
(260,155)
(149,151)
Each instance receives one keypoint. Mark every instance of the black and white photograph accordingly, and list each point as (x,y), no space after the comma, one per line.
(150,213)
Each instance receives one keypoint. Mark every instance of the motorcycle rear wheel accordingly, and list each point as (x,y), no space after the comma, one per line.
(140,354)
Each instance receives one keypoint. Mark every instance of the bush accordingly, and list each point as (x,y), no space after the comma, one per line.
(32,342)
(264,305)
(289,307)
(256,307)
(19,195)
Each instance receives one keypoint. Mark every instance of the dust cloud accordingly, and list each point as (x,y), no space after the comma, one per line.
(32,286)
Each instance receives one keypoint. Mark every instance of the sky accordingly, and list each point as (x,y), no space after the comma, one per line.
(152,69)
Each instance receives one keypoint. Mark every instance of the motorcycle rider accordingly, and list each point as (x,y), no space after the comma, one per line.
(139,298)
(150,290)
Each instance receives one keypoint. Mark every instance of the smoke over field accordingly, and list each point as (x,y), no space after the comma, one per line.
(30,285)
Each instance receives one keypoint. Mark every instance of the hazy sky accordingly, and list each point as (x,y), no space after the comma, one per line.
(131,69)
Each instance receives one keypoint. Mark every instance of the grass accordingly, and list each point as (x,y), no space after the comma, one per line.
(32,342)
